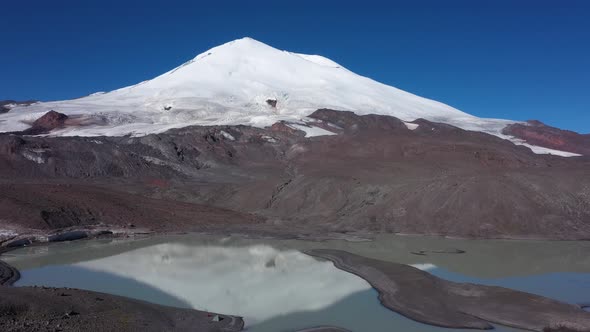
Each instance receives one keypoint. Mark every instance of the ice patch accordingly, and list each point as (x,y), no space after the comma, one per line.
(7,233)
(539,149)
(227,136)
(424,266)
(310,131)
(411,126)
(542,150)
(269,139)
(333,126)
(33,156)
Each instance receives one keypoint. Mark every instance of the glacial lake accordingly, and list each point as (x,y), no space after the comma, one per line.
(277,288)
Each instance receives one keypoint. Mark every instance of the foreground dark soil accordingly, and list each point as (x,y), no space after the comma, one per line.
(65,309)
(52,309)
(376,175)
(425,298)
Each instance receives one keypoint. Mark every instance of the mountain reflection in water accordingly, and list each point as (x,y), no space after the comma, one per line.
(257,282)
(277,288)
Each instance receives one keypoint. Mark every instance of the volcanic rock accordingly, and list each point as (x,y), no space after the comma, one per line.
(376,175)
(537,133)
(48,122)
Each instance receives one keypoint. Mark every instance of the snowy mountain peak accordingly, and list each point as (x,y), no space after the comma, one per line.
(237,46)
(231,84)
(247,48)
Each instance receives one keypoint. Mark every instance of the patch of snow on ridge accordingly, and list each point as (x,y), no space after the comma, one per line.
(33,156)
(542,150)
(539,149)
(310,131)
(269,139)
(227,136)
(411,126)
(424,266)
(7,233)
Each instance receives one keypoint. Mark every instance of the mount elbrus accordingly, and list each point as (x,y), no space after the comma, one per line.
(279,140)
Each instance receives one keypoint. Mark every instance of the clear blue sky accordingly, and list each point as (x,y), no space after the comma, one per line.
(505,59)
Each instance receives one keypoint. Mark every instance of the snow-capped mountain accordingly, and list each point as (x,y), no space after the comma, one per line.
(237,83)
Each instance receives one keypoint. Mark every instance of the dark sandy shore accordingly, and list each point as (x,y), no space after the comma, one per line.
(8,274)
(64,309)
(324,329)
(59,309)
(428,299)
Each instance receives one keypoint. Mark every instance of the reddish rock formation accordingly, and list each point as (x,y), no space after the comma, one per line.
(540,134)
(48,122)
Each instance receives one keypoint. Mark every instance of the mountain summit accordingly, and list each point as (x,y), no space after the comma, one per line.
(242,82)
(231,84)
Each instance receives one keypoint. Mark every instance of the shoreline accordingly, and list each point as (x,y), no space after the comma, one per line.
(44,237)
(35,308)
(67,309)
(9,275)
(434,301)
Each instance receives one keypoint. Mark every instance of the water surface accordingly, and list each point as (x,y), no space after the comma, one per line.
(277,288)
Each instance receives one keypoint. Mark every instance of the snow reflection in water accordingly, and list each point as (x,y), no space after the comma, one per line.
(277,288)
(256,282)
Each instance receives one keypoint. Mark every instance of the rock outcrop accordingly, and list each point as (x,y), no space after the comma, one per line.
(48,122)
(537,133)
(6,105)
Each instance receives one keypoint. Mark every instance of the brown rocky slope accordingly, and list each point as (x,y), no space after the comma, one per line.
(376,175)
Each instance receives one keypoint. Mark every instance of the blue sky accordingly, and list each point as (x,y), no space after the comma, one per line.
(504,59)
